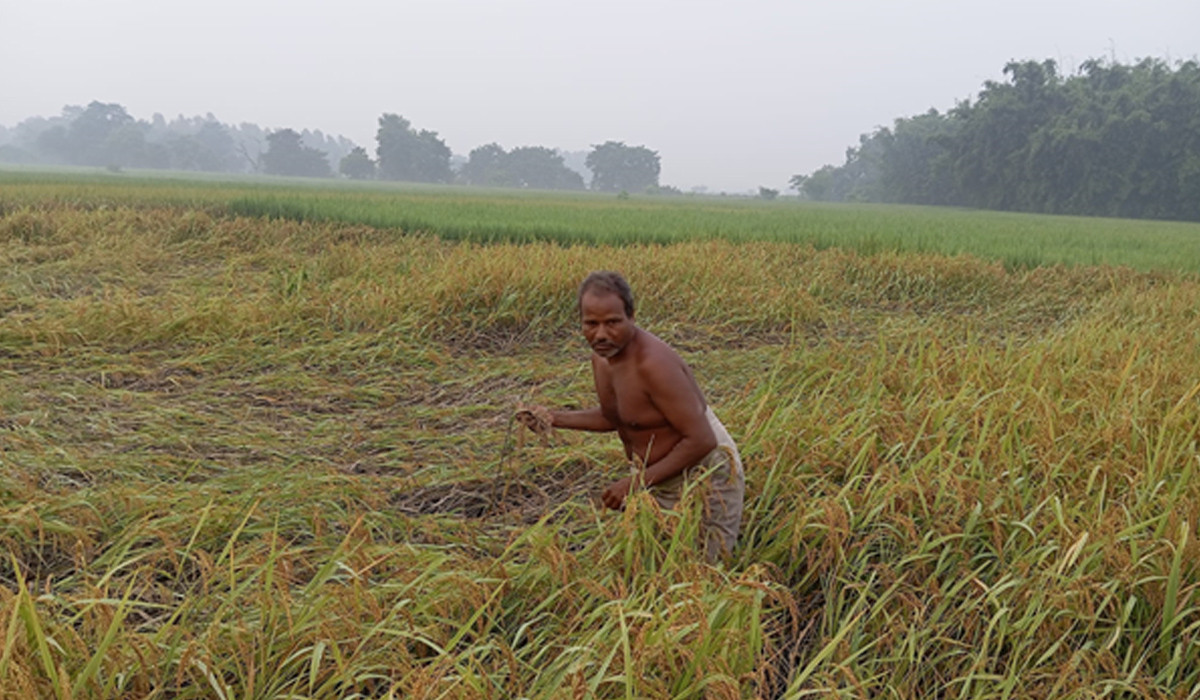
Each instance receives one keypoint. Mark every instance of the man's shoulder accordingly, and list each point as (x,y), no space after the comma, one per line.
(655,353)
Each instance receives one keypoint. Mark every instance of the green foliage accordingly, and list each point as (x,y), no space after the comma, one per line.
(616,167)
(14,154)
(287,155)
(410,155)
(532,167)
(357,165)
(539,167)
(1022,240)
(1112,140)
(211,149)
(485,166)
(103,135)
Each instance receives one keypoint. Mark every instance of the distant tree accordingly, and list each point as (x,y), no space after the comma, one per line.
(30,135)
(534,167)
(914,162)
(101,130)
(485,167)
(539,167)
(250,140)
(826,184)
(357,165)
(577,161)
(52,144)
(286,155)
(407,154)
(211,149)
(1111,140)
(617,167)
(104,134)
(767,193)
(15,154)
(100,134)
(219,149)
(334,148)
(125,146)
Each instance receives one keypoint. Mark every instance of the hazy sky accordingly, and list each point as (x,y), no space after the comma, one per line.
(732,95)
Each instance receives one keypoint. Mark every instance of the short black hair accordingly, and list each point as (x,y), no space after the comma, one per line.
(609,282)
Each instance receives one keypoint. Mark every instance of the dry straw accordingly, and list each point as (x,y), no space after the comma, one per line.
(264,458)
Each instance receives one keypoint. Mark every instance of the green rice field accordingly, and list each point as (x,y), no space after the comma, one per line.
(457,213)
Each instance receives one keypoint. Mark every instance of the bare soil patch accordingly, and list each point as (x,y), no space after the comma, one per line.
(525,497)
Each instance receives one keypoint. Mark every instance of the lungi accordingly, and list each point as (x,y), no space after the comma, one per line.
(724,493)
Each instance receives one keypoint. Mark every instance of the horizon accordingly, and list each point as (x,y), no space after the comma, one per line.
(711,88)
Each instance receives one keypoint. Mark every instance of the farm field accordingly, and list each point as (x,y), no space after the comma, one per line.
(256,442)
(456,213)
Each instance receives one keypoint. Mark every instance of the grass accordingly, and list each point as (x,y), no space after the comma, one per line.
(245,457)
(1017,240)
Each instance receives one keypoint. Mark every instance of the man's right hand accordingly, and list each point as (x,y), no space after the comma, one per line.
(536,418)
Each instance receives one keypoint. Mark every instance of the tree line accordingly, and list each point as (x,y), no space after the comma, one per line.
(1113,139)
(105,135)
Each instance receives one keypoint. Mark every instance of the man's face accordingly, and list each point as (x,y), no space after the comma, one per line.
(605,326)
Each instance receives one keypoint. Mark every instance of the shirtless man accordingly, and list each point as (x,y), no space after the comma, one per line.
(649,397)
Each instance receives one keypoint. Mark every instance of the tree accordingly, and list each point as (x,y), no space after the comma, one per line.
(210,149)
(485,167)
(91,134)
(104,134)
(617,167)
(539,167)
(286,155)
(357,165)
(407,154)
(100,134)
(124,146)
(820,186)
(1111,140)
(14,154)
(535,167)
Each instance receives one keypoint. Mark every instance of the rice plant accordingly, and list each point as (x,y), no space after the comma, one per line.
(262,457)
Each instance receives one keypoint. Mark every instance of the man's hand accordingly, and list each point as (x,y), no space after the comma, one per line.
(614,496)
(536,418)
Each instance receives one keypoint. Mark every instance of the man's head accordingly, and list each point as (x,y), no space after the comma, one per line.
(606,313)
(607,282)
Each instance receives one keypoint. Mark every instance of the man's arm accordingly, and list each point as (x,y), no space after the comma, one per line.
(591,419)
(673,392)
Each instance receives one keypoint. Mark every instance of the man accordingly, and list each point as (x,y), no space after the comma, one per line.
(649,396)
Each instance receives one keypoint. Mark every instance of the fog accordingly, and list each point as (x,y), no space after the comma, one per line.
(732,95)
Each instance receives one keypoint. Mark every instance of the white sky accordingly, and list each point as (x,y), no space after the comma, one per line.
(732,94)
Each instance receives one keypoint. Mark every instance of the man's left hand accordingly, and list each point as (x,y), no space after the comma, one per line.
(614,495)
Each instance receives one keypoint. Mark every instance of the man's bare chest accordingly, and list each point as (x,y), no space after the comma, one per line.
(631,405)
